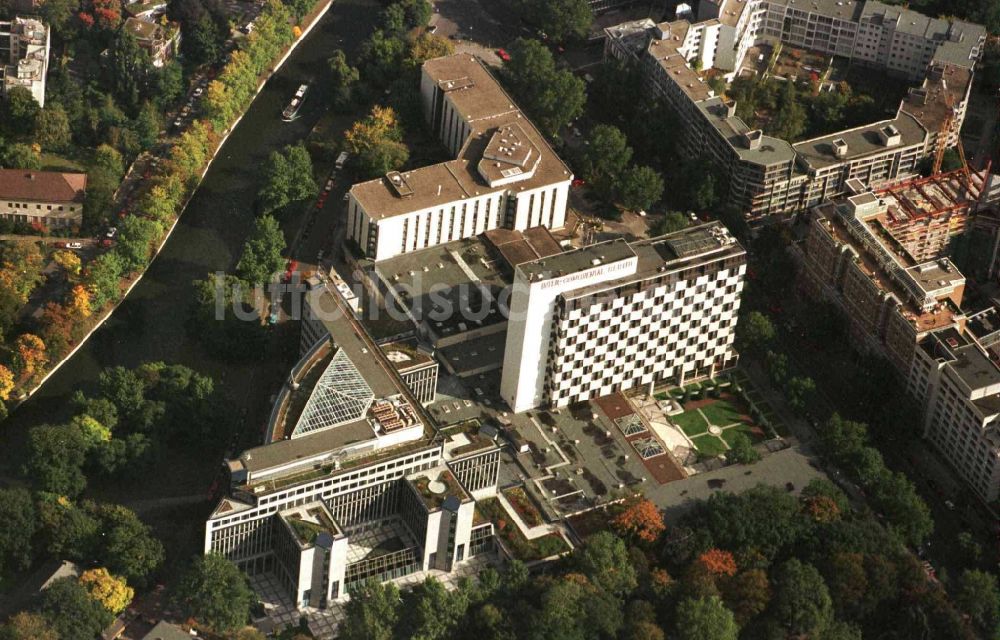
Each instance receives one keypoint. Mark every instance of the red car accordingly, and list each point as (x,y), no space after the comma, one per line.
(502,53)
(578,182)
(290,269)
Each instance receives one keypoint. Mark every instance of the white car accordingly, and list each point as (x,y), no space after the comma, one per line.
(74,245)
(198,92)
(329,185)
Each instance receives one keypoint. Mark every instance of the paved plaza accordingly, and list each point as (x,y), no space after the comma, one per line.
(323,623)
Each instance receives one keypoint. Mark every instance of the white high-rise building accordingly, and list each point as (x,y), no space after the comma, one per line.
(619,315)
(504,174)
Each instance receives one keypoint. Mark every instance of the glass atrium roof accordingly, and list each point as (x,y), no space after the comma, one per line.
(341,395)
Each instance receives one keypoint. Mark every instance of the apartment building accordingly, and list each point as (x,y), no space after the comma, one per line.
(48,198)
(891,301)
(504,174)
(24,56)
(770,177)
(616,315)
(955,377)
(353,482)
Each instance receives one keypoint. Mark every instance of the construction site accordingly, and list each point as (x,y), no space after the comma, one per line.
(923,215)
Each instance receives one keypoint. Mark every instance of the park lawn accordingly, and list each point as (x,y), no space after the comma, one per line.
(691,423)
(709,445)
(722,413)
(729,434)
(75,161)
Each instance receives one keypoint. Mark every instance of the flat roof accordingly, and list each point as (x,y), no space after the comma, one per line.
(488,110)
(588,257)
(929,102)
(517,247)
(841,9)
(405,355)
(771,150)
(861,141)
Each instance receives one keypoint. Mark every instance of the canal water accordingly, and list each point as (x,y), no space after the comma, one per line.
(150,324)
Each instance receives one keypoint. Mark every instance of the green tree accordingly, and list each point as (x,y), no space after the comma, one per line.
(376,140)
(763,518)
(137,236)
(128,547)
(201,41)
(672,221)
(754,334)
(17,528)
(605,561)
(430,611)
(52,129)
(561,19)
(104,279)
(262,251)
(605,159)
(800,392)
(21,156)
(147,125)
(66,530)
(56,454)
(345,80)
(169,84)
(58,15)
(215,592)
(802,601)
(641,187)
(553,97)
(28,626)
(67,605)
(287,178)
(20,111)
(741,450)
(976,594)
(747,594)
(790,120)
(130,70)
(705,618)
(371,613)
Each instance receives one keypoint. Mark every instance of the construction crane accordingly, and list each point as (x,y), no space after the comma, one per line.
(942,143)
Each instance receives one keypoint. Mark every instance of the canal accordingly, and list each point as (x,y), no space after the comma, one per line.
(150,324)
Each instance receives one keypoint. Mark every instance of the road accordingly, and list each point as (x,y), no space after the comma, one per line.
(150,323)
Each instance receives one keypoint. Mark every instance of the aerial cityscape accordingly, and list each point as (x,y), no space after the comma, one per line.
(499,319)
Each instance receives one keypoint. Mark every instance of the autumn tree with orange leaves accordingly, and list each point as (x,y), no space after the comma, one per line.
(6,382)
(718,562)
(640,519)
(30,353)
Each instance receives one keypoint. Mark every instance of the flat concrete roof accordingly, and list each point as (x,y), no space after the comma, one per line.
(861,141)
(771,150)
(517,247)
(577,260)
(487,109)
(460,273)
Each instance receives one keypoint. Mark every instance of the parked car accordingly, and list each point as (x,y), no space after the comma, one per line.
(198,92)
(503,55)
(74,245)
(111,232)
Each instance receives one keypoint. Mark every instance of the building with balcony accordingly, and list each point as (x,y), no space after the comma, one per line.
(24,56)
(504,174)
(617,315)
(768,176)
(353,481)
(891,301)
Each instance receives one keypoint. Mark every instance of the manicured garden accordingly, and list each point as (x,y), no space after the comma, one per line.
(717,411)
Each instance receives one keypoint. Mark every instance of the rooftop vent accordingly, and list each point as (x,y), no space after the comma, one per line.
(889,135)
(398,183)
(839,148)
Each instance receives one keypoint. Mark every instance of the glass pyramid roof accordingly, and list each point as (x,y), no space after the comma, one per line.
(341,395)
